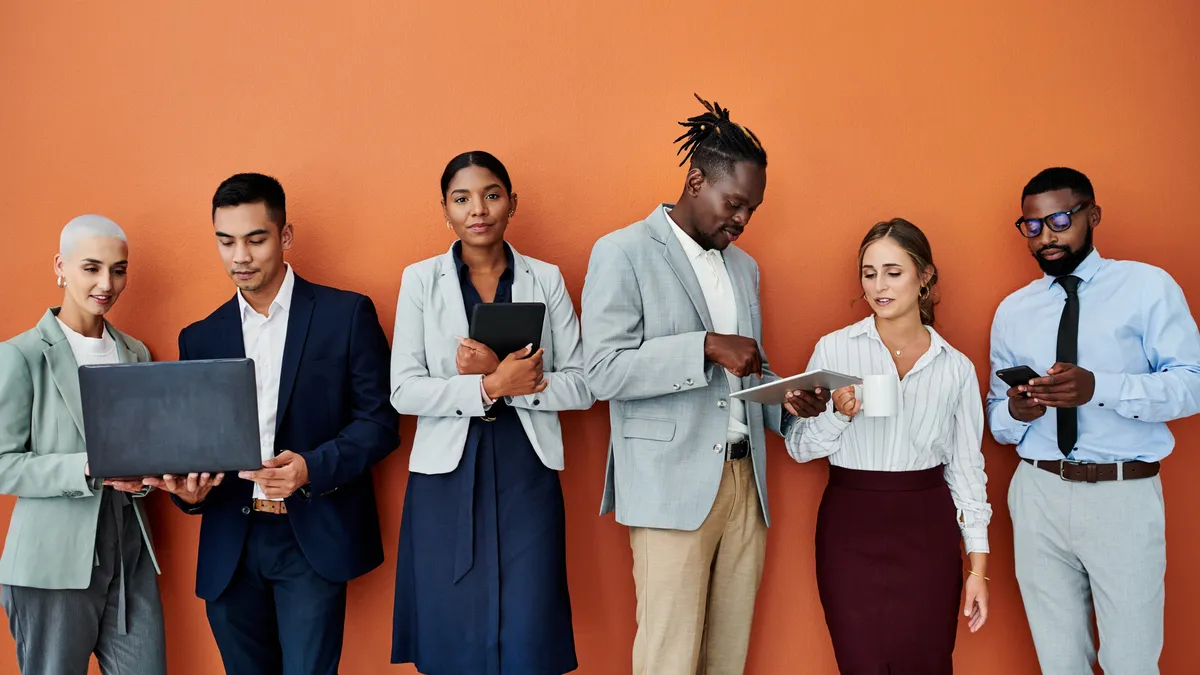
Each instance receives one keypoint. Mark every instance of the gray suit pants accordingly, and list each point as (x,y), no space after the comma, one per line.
(1080,546)
(118,617)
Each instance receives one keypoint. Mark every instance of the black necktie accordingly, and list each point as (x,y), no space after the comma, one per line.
(1068,352)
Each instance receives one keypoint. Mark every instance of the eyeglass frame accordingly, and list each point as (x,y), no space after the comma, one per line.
(1044,220)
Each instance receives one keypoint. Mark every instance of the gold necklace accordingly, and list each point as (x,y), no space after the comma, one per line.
(900,352)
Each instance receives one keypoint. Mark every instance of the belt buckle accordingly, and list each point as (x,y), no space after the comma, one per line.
(1062,467)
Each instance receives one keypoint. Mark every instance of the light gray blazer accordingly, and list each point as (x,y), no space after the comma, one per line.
(51,540)
(430,315)
(644,323)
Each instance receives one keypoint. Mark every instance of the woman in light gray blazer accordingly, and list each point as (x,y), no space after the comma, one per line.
(78,569)
(481,580)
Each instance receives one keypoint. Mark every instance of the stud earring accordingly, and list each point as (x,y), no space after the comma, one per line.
(62,282)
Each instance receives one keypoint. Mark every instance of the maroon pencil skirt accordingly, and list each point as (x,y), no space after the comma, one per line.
(889,571)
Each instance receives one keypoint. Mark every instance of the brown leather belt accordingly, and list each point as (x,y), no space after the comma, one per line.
(270,506)
(1080,472)
(736,451)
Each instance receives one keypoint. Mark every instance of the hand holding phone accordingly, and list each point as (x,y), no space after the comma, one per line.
(1020,404)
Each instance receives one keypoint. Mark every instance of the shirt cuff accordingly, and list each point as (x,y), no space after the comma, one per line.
(1108,390)
(832,422)
(975,539)
(483,395)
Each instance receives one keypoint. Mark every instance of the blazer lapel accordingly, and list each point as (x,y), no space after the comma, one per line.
(64,370)
(741,294)
(299,317)
(456,311)
(522,290)
(675,256)
(233,344)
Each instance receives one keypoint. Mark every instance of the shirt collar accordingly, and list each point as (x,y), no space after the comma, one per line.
(868,328)
(282,301)
(464,269)
(690,247)
(1086,270)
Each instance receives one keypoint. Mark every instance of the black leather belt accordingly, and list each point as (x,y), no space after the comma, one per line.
(739,450)
(1081,472)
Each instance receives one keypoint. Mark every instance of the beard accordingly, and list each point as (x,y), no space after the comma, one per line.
(1068,262)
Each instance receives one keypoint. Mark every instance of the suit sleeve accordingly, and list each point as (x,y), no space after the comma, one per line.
(372,432)
(413,390)
(567,388)
(23,473)
(621,363)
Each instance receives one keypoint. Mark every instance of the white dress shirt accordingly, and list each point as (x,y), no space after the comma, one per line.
(722,307)
(939,421)
(263,337)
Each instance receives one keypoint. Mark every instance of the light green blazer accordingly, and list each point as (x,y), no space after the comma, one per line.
(51,540)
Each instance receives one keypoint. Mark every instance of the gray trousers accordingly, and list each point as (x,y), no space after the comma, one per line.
(1080,546)
(118,617)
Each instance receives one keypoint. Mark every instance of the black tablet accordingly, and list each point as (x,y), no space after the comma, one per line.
(506,327)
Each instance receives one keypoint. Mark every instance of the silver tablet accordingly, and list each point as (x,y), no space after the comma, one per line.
(772,393)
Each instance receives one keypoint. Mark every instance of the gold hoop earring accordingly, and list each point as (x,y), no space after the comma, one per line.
(62,282)
(923,293)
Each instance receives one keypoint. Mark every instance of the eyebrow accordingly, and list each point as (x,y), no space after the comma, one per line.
(101,262)
(886,265)
(493,186)
(255,233)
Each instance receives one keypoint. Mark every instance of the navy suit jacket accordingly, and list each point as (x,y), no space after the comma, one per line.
(333,410)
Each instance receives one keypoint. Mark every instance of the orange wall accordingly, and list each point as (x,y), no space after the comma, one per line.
(869,110)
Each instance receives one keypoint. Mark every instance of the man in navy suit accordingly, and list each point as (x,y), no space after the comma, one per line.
(278,545)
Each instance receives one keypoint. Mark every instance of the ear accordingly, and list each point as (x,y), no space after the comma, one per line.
(445,212)
(695,179)
(58,265)
(1094,218)
(512,209)
(286,235)
(928,274)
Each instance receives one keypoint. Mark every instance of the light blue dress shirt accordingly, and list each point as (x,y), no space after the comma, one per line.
(1136,334)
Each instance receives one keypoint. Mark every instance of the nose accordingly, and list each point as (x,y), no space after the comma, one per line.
(479,207)
(741,216)
(1047,237)
(241,254)
(104,284)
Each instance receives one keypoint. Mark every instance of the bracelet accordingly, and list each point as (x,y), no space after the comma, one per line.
(978,575)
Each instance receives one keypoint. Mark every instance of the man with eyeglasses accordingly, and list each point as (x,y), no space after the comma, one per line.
(1120,354)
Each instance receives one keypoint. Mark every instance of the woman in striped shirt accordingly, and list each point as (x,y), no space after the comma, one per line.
(905,486)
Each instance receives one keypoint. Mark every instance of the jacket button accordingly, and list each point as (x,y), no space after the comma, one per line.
(458,412)
(718,447)
(536,402)
(676,387)
(246,510)
(688,382)
(721,404)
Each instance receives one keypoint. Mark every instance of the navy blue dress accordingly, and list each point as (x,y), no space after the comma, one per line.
(481,574)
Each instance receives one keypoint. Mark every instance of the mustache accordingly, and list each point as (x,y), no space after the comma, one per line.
(1053,247)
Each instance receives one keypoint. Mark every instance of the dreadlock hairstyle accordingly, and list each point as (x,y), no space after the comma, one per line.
(715,143)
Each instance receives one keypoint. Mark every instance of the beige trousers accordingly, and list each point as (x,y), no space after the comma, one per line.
(696,590)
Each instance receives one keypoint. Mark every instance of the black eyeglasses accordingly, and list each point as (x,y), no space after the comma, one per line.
(1057,222)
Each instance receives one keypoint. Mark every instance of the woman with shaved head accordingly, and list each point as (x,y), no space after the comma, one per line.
(78,569)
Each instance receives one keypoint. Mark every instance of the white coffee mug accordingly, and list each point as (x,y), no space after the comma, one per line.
(880,395)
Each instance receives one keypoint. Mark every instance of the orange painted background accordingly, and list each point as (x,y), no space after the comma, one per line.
(936,111)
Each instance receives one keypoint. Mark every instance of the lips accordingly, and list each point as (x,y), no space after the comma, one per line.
(883,302)
(244,275)
(479,227)
(733,232)
(1052,253)
(101,299)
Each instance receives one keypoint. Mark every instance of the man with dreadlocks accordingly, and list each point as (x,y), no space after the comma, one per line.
(671,327)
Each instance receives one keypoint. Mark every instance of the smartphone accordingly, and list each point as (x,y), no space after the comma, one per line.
(1017,375)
